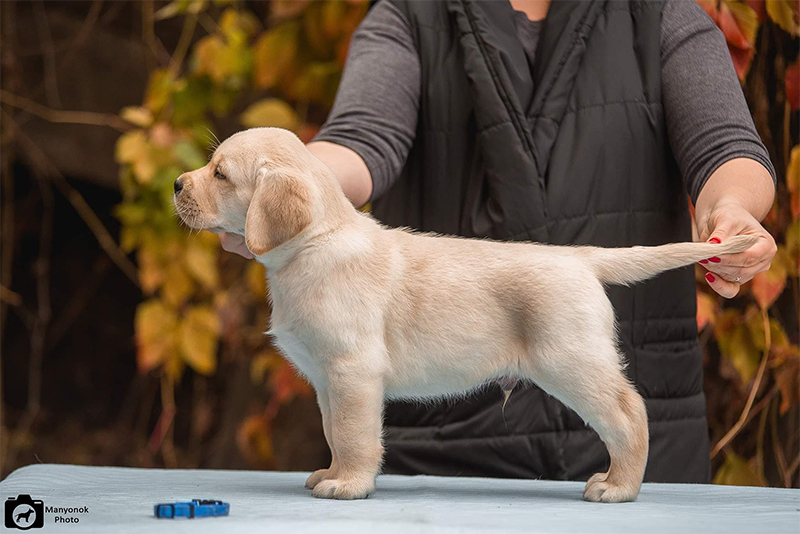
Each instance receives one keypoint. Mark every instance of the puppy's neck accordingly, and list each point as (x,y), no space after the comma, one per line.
(333,212)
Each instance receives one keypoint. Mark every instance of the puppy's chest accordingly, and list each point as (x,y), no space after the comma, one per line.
(298,343)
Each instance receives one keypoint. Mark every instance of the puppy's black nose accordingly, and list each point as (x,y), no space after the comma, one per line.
(178,186)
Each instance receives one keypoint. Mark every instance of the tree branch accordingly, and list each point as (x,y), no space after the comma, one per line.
(63,117)
(753,391)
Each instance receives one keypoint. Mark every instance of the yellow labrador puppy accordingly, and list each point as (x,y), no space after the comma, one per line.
(369,313)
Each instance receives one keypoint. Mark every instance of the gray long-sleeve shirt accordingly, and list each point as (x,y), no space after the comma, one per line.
(708,122)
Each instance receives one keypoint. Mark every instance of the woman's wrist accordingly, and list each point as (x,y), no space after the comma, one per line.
(740,182)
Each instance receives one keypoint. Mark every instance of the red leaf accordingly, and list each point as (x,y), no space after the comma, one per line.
(706,310)
(759,7)
(741,60)
(731,28)
(769,285)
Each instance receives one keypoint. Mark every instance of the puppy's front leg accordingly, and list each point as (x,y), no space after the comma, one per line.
(356,404)
(325,409)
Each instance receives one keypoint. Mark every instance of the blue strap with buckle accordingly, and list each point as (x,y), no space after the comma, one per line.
(195,508)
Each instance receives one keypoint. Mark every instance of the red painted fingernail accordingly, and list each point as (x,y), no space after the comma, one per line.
(714,240)
(714,259)
(710,278)
(703,261)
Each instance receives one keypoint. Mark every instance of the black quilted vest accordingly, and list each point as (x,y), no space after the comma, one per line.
(573,151)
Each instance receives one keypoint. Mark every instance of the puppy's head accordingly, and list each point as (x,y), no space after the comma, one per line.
(259,183)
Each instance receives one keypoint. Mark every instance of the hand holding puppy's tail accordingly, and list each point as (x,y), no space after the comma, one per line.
(625,266)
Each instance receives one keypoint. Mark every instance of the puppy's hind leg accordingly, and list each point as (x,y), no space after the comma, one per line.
(591,382)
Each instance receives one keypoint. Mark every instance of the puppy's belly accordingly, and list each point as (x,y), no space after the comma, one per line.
(444,372)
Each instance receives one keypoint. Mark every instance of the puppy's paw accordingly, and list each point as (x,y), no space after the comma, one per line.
(598,489)
(597,477)
(345,489)
(318,476)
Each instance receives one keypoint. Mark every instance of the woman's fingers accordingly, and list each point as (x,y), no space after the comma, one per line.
(744,265)
(236,244)
(721,286)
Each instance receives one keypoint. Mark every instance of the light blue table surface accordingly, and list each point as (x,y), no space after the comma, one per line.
(121,500)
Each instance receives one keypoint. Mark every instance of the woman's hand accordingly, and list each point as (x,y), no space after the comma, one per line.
(235,243)
(728,272)
(732,202)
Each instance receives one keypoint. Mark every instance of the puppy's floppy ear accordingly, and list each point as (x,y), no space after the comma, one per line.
(279,210)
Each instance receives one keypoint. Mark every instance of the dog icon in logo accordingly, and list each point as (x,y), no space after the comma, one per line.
(24,513)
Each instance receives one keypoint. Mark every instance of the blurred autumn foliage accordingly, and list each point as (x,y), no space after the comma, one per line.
(752,367)
(238,64)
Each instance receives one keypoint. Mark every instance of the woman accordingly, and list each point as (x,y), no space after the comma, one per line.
(566,123)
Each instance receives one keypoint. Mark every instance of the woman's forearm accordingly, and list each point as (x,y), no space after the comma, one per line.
(741,181)
(349,169)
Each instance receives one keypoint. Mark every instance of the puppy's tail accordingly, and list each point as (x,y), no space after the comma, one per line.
(624,266)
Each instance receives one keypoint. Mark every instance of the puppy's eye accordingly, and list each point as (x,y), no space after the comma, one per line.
(219,176)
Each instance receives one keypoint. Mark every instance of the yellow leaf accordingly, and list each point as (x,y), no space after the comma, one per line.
(138,115)
(159,90)
(333,14)
(793,180)
(156,334)
(746,19)
(206,54)
(134,148)
(736,471)
(151,274)
(255,440)
(130,146)
(234,21)
(783,13)
(793,244)
(199,331)
(274,55)
(768,286)
(177,285)
(257,279)
(270,112)
(201,261)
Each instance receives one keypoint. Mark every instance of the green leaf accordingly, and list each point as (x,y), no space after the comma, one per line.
(189,155)
(736,345)
(131,214)
(736,471)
